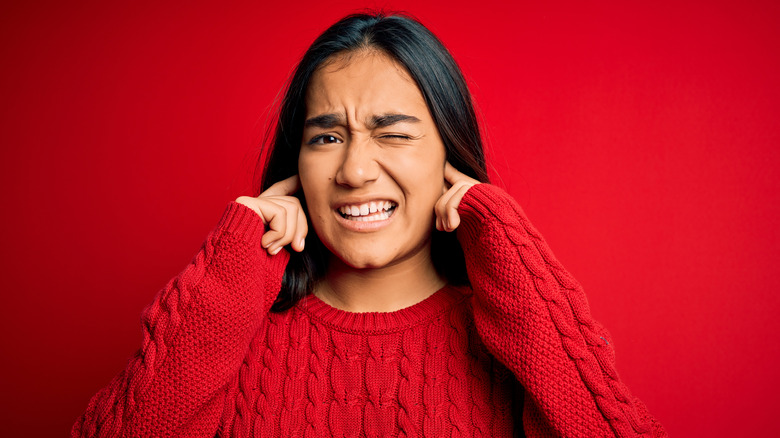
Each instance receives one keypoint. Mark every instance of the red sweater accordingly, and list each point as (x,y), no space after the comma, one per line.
(215,361)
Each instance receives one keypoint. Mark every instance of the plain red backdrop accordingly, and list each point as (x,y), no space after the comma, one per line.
(641,138)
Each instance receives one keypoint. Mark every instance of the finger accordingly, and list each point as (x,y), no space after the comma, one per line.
(291,222)
(453,218)
(441,204)
(302,228)
(277,224)
(296,221)
(285,187)
(440,209)
(447,206)
(451,174)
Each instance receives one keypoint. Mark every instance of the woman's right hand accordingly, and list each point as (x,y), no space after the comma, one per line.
(282,214)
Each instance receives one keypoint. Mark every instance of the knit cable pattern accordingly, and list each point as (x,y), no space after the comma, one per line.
(215,361)
(370,379)
(529,271)
(175,382)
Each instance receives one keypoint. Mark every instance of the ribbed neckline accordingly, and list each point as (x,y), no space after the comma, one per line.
(381,322)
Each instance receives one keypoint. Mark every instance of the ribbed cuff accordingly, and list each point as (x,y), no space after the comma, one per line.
(481,204)
(242,222)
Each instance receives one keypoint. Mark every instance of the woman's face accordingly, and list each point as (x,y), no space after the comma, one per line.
(371,162)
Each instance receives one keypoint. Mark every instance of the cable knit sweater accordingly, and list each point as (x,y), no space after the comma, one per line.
(517,351)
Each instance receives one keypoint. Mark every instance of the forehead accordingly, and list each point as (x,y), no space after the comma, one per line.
(363,83)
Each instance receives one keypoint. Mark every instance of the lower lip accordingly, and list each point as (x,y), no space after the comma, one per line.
(364,226)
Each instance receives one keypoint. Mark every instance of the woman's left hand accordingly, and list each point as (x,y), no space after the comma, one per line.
(456,184)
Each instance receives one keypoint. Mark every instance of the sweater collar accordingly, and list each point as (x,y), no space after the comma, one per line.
(383,322)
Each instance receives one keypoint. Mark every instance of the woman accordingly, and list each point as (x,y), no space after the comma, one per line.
(335,302)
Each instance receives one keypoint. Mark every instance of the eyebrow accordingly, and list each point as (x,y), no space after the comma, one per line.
(324,121)
(384,120)
(327,121)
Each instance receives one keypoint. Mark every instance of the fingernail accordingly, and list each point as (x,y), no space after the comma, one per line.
(275,251)
(302,243)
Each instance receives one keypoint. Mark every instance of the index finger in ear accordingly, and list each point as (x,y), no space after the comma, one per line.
(285,187)
(453,175)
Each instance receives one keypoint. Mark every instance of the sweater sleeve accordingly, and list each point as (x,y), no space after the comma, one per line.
(195,334)
(533,316)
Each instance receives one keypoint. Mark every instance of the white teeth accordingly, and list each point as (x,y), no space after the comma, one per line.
(367,212)
(380,216)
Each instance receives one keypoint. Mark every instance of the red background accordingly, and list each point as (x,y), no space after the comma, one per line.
(641,138)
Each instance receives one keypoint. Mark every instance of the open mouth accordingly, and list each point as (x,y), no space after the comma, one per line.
(368,212)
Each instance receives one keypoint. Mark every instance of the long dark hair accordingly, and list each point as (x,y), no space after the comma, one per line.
(442,85)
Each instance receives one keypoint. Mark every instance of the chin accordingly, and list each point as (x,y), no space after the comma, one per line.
(361,261)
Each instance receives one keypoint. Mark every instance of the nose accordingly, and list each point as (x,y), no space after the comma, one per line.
(359,165)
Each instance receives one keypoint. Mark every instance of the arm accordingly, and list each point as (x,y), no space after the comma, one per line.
(195,334)
(534,317)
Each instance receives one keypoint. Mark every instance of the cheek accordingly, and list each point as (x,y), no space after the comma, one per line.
(311,177)
(313,199)
(316,181)
(315,196)
(317,209)
(434,185)
(424,178)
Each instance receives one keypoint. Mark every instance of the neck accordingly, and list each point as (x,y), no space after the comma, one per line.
(385,289)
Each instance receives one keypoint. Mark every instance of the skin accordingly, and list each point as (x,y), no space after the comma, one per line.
(369,137)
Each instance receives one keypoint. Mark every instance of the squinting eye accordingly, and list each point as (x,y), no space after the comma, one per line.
(324,139)
(396,137)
